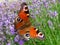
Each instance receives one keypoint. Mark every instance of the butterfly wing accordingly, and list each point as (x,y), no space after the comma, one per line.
(23,25)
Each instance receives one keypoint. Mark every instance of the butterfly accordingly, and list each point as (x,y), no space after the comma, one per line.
(23,25)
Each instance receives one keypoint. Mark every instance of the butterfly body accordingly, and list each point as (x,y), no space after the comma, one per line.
(23,25)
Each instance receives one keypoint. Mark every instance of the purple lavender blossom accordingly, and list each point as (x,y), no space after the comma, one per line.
(55,13)
(16,39)
(12,30)
(33,16)
(52,14)
(39,3)
(34,1)
(2,36)
(23,0)
(31,7)
(12,6)
(4,17)
(1,23)
(1,12)
(1,3)
(44,0)
(53,1)
(7,22)
(8,43)
(21,42)
(37,12)
(50,24)
(46,5)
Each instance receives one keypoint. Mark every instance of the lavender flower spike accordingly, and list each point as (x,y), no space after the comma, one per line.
(21,42)
(16,39)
